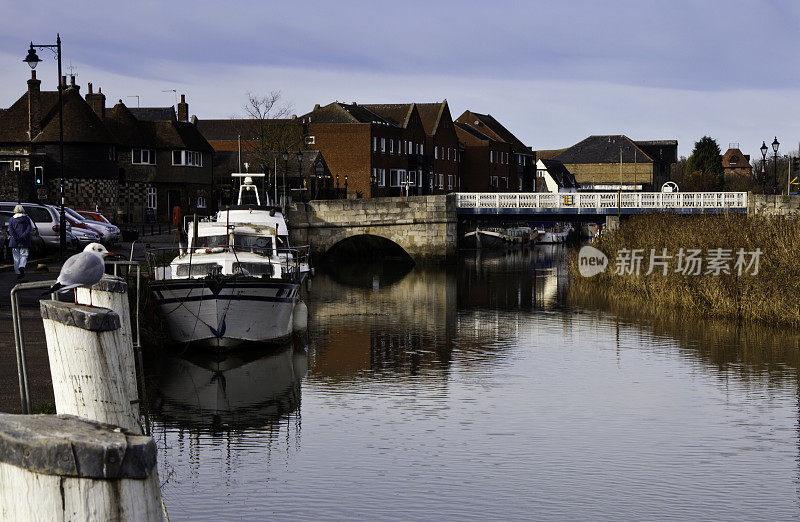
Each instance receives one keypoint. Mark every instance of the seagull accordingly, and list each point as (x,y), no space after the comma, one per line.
(83,269)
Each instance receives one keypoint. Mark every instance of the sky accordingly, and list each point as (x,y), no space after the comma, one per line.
(552,72)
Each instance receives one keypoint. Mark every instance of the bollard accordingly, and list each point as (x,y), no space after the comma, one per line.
(61,467)
(112,292)
(91,377)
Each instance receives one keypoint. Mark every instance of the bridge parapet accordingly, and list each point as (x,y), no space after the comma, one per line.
(424,226)
(599,202)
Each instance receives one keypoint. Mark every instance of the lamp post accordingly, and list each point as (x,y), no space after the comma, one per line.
(299,155)
(32,59)
(763,180)
(285,156)
(775,145)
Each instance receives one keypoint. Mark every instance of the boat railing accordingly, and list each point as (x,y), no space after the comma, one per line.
(292,261)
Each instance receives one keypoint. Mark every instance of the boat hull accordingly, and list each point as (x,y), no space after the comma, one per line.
(224,314)
(485,239)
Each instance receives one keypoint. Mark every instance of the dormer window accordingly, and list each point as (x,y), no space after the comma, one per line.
(734,159)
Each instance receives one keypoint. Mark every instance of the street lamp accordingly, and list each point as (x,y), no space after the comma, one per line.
(299,155)
(764,150)
(285,156)
(775,145)
(32,59)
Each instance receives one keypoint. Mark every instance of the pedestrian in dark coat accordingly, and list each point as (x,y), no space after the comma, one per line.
(20,228)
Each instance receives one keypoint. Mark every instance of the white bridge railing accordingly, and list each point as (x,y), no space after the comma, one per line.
(599,201)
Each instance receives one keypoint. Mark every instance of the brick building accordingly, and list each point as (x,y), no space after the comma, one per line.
(735,163)
(112,160)
(601,162)
(495,159)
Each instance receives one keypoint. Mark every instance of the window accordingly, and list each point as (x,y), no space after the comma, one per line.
(493,181)
(441,181)
(391,146)
(143,157)
(410,149)
(17,165)
(112,153)
(381,177)
(491,156)
(187,157)
(383,144)
(505,181)
(436,153)
(450,181)
(394,178)
(412,178)
(152,199)
(448,152)
(431,182)
(422,148)
(374,144)
(309,140)
(201,202)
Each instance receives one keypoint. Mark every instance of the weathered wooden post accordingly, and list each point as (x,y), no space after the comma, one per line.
(112,292)
(61,467)
(92,371)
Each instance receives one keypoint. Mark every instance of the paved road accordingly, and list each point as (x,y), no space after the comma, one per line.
(33,330)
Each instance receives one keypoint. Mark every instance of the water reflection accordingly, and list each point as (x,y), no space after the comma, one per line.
(247,389)
(496,386)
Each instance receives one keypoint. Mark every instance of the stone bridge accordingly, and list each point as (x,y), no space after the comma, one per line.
(424,226)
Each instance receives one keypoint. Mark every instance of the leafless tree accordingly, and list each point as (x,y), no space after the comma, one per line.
(267,129)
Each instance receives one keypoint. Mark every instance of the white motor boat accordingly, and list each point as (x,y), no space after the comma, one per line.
(558,234)
(232,283)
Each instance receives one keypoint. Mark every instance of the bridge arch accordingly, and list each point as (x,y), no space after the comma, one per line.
(352,244)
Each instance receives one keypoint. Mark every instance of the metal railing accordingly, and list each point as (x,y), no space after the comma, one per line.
(602,201)
(290,260)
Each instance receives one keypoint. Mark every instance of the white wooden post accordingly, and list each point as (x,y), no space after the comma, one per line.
(91,379)
(112,292)
(61,467)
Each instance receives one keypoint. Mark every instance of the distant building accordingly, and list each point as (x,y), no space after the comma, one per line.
(603,162)
(735,163)
(553,176)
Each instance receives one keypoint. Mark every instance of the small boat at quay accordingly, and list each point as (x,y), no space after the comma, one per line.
(233,283)
(487,238)
(555,235)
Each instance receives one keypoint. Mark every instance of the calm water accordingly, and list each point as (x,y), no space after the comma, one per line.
(481,392)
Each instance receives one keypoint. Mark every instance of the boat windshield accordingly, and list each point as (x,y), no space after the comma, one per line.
(212,241)
(252,241)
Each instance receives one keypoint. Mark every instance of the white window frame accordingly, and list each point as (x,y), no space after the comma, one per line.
(450,181)
(201,202)
(441,181)
(391,146)
(494,181)
(17,165)
(374,144)
(309,140)
(381,177)
(491,156)
(394,178)
(152,198)
(383,144)
(151,157)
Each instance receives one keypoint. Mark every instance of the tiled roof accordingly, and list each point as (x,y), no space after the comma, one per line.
(604,149)
(431,115)
(153,113)
(548,154)
(467,133)
(560,174)
(396,113)
(81,124)
(491,127)
(231,129)
(735,159)
(337,112)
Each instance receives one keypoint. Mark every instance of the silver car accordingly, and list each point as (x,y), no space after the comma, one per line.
(110,234)
(47,221)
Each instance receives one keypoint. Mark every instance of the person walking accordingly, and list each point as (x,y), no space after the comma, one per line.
(19,231)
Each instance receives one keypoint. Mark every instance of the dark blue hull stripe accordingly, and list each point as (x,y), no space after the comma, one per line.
(201,284)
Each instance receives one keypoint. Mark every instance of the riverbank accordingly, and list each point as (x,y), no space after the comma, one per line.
(730,266)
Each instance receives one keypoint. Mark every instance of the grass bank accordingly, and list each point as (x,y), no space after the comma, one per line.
(771,296)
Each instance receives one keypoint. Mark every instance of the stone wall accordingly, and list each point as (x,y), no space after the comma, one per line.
(772,205)
(424,226)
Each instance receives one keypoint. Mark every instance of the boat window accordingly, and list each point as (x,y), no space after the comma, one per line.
(253,269)
(248,241)
(198,269)
(212,241)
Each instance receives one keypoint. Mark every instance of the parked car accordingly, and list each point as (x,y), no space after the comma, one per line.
(110,234)
(47,221)
(84,233)
(94,216)
(37,243)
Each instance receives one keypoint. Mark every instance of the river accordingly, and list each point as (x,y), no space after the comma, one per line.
(486,390)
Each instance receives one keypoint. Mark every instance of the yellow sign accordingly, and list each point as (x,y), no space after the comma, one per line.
(568,200)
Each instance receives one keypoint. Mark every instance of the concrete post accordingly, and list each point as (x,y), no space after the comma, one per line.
(61,467)
(91,377)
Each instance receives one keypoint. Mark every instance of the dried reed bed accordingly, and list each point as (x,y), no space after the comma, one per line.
(772,296)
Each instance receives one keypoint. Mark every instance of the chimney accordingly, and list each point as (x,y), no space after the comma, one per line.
(316,106)
(63,81)
(183,109)
(97,101)
(294,116)
(72,83)
(34,106)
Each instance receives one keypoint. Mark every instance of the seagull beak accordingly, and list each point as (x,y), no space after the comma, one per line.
(109,254)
